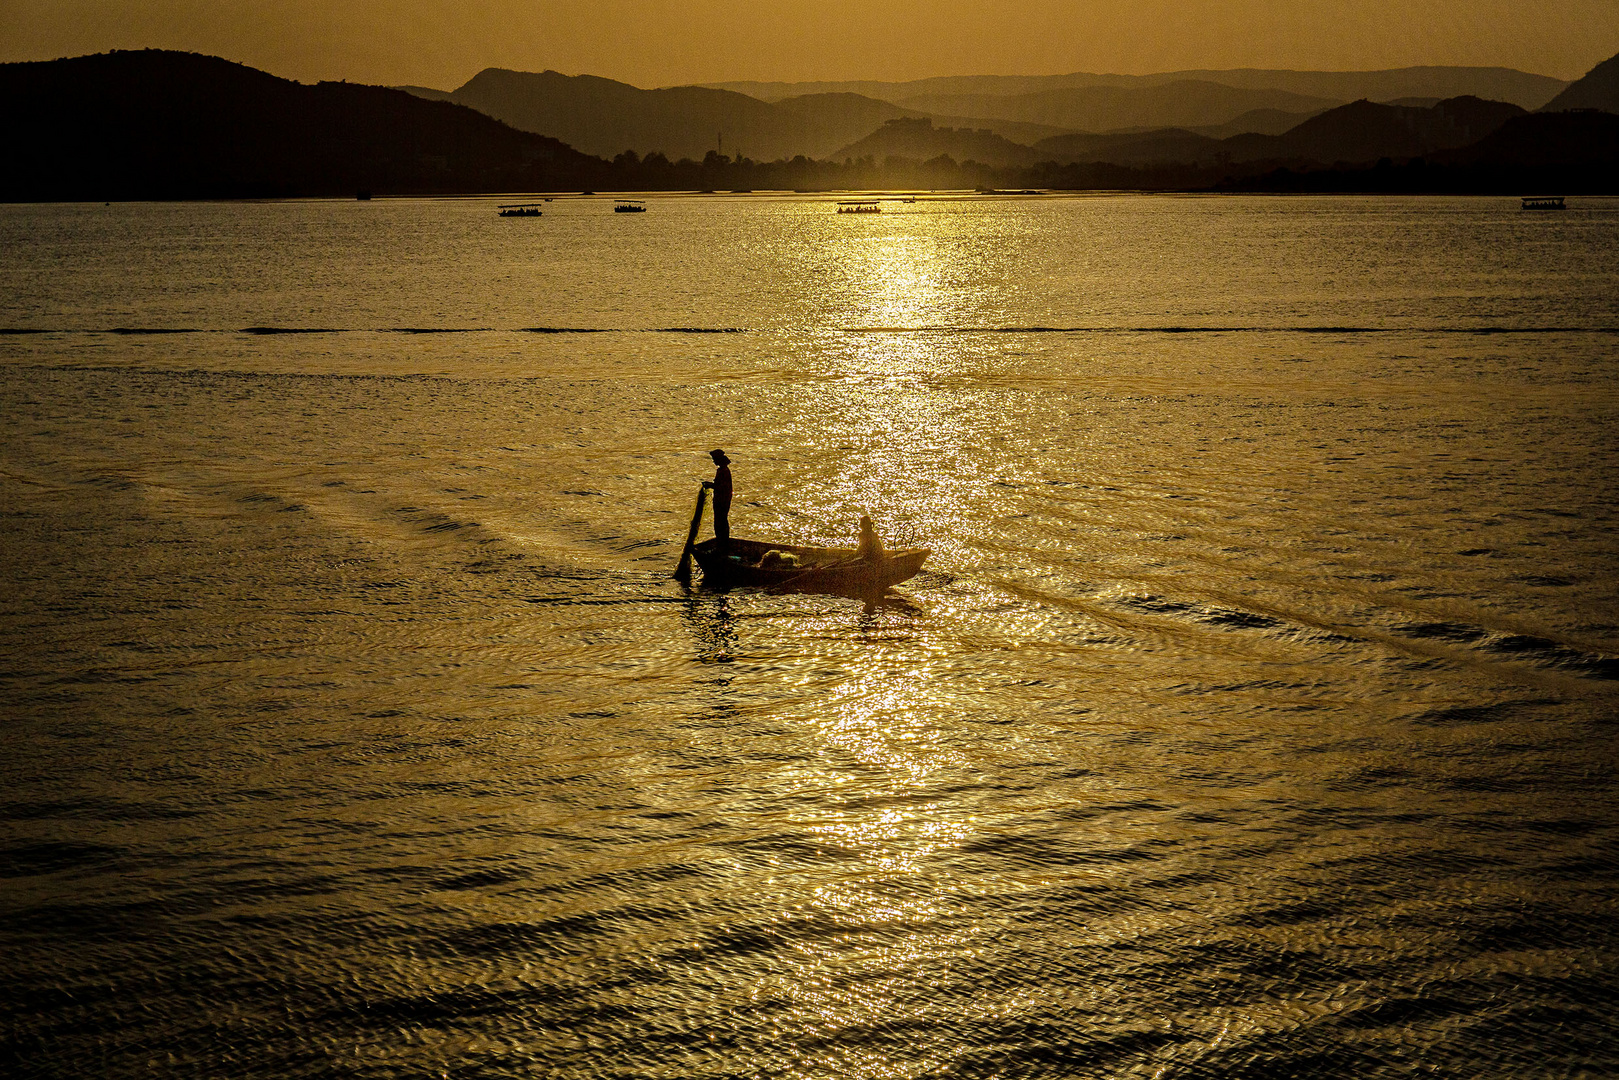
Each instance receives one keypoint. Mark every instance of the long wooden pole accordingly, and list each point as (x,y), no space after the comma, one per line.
(683,571)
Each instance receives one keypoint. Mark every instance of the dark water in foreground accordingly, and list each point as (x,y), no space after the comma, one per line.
(1254,718)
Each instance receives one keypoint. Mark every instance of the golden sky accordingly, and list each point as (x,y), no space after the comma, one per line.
(443,43)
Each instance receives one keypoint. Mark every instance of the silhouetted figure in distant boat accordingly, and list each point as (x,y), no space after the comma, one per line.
(871,548)
(721,486)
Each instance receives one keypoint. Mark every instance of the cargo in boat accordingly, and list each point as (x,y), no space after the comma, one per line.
(802,568)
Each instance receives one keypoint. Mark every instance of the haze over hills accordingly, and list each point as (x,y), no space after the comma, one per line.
(857,111)
(1260,122)
(156,124)
(918,139)
(1360,132)
(1497,84)
(606,117)
(1183,103)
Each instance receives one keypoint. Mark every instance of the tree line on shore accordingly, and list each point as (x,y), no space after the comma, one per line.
(716,172)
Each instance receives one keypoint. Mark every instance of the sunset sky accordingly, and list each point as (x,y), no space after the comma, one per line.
(662,42)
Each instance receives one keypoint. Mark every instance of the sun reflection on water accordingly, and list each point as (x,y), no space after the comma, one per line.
(899,281)
(905,439)
(889,929)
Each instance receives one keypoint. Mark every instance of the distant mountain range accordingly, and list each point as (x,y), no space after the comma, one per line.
(1498,84)
(1183,103)
(1361,131)
(605,117)
(1270,121)
(155,124)
(1358,132)
(918,140)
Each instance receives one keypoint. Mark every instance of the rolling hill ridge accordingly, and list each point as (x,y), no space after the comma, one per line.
(156,124)
(1526,90)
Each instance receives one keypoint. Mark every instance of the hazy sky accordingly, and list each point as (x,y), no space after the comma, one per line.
(443,43)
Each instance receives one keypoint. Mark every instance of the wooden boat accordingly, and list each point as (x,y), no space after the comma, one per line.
(1544,202)
(819,569)
(630,206)
(520,209)
(860,206)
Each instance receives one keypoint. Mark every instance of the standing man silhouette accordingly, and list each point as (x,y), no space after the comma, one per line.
(721,486)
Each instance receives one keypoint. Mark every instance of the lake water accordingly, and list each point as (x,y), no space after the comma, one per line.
(1255,715)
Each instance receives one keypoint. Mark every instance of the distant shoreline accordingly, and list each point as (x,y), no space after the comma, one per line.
(164,126)
(921,196)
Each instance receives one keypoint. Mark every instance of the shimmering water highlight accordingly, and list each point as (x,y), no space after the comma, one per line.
(1254,716)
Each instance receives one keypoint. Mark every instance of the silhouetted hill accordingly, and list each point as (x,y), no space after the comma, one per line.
(602,116)
(944,84)
(426,92)
(1361,131)
(1520,88)
(1495,84)
(156,124)
(1017,131)
(918,140)
(1547,140)
(1109,108)
(1461,120)
(1597,89)
(854,111)
(606,117)
(1256,122)
(1571,153)
(1365,131)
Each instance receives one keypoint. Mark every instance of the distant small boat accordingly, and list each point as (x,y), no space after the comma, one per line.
(629,206)
(520,210)
(860,206)
(817,569)
(1544,202)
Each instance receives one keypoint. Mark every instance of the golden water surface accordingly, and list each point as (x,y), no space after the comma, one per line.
(1253,717)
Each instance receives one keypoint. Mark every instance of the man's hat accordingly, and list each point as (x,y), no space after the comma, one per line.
(719,457)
